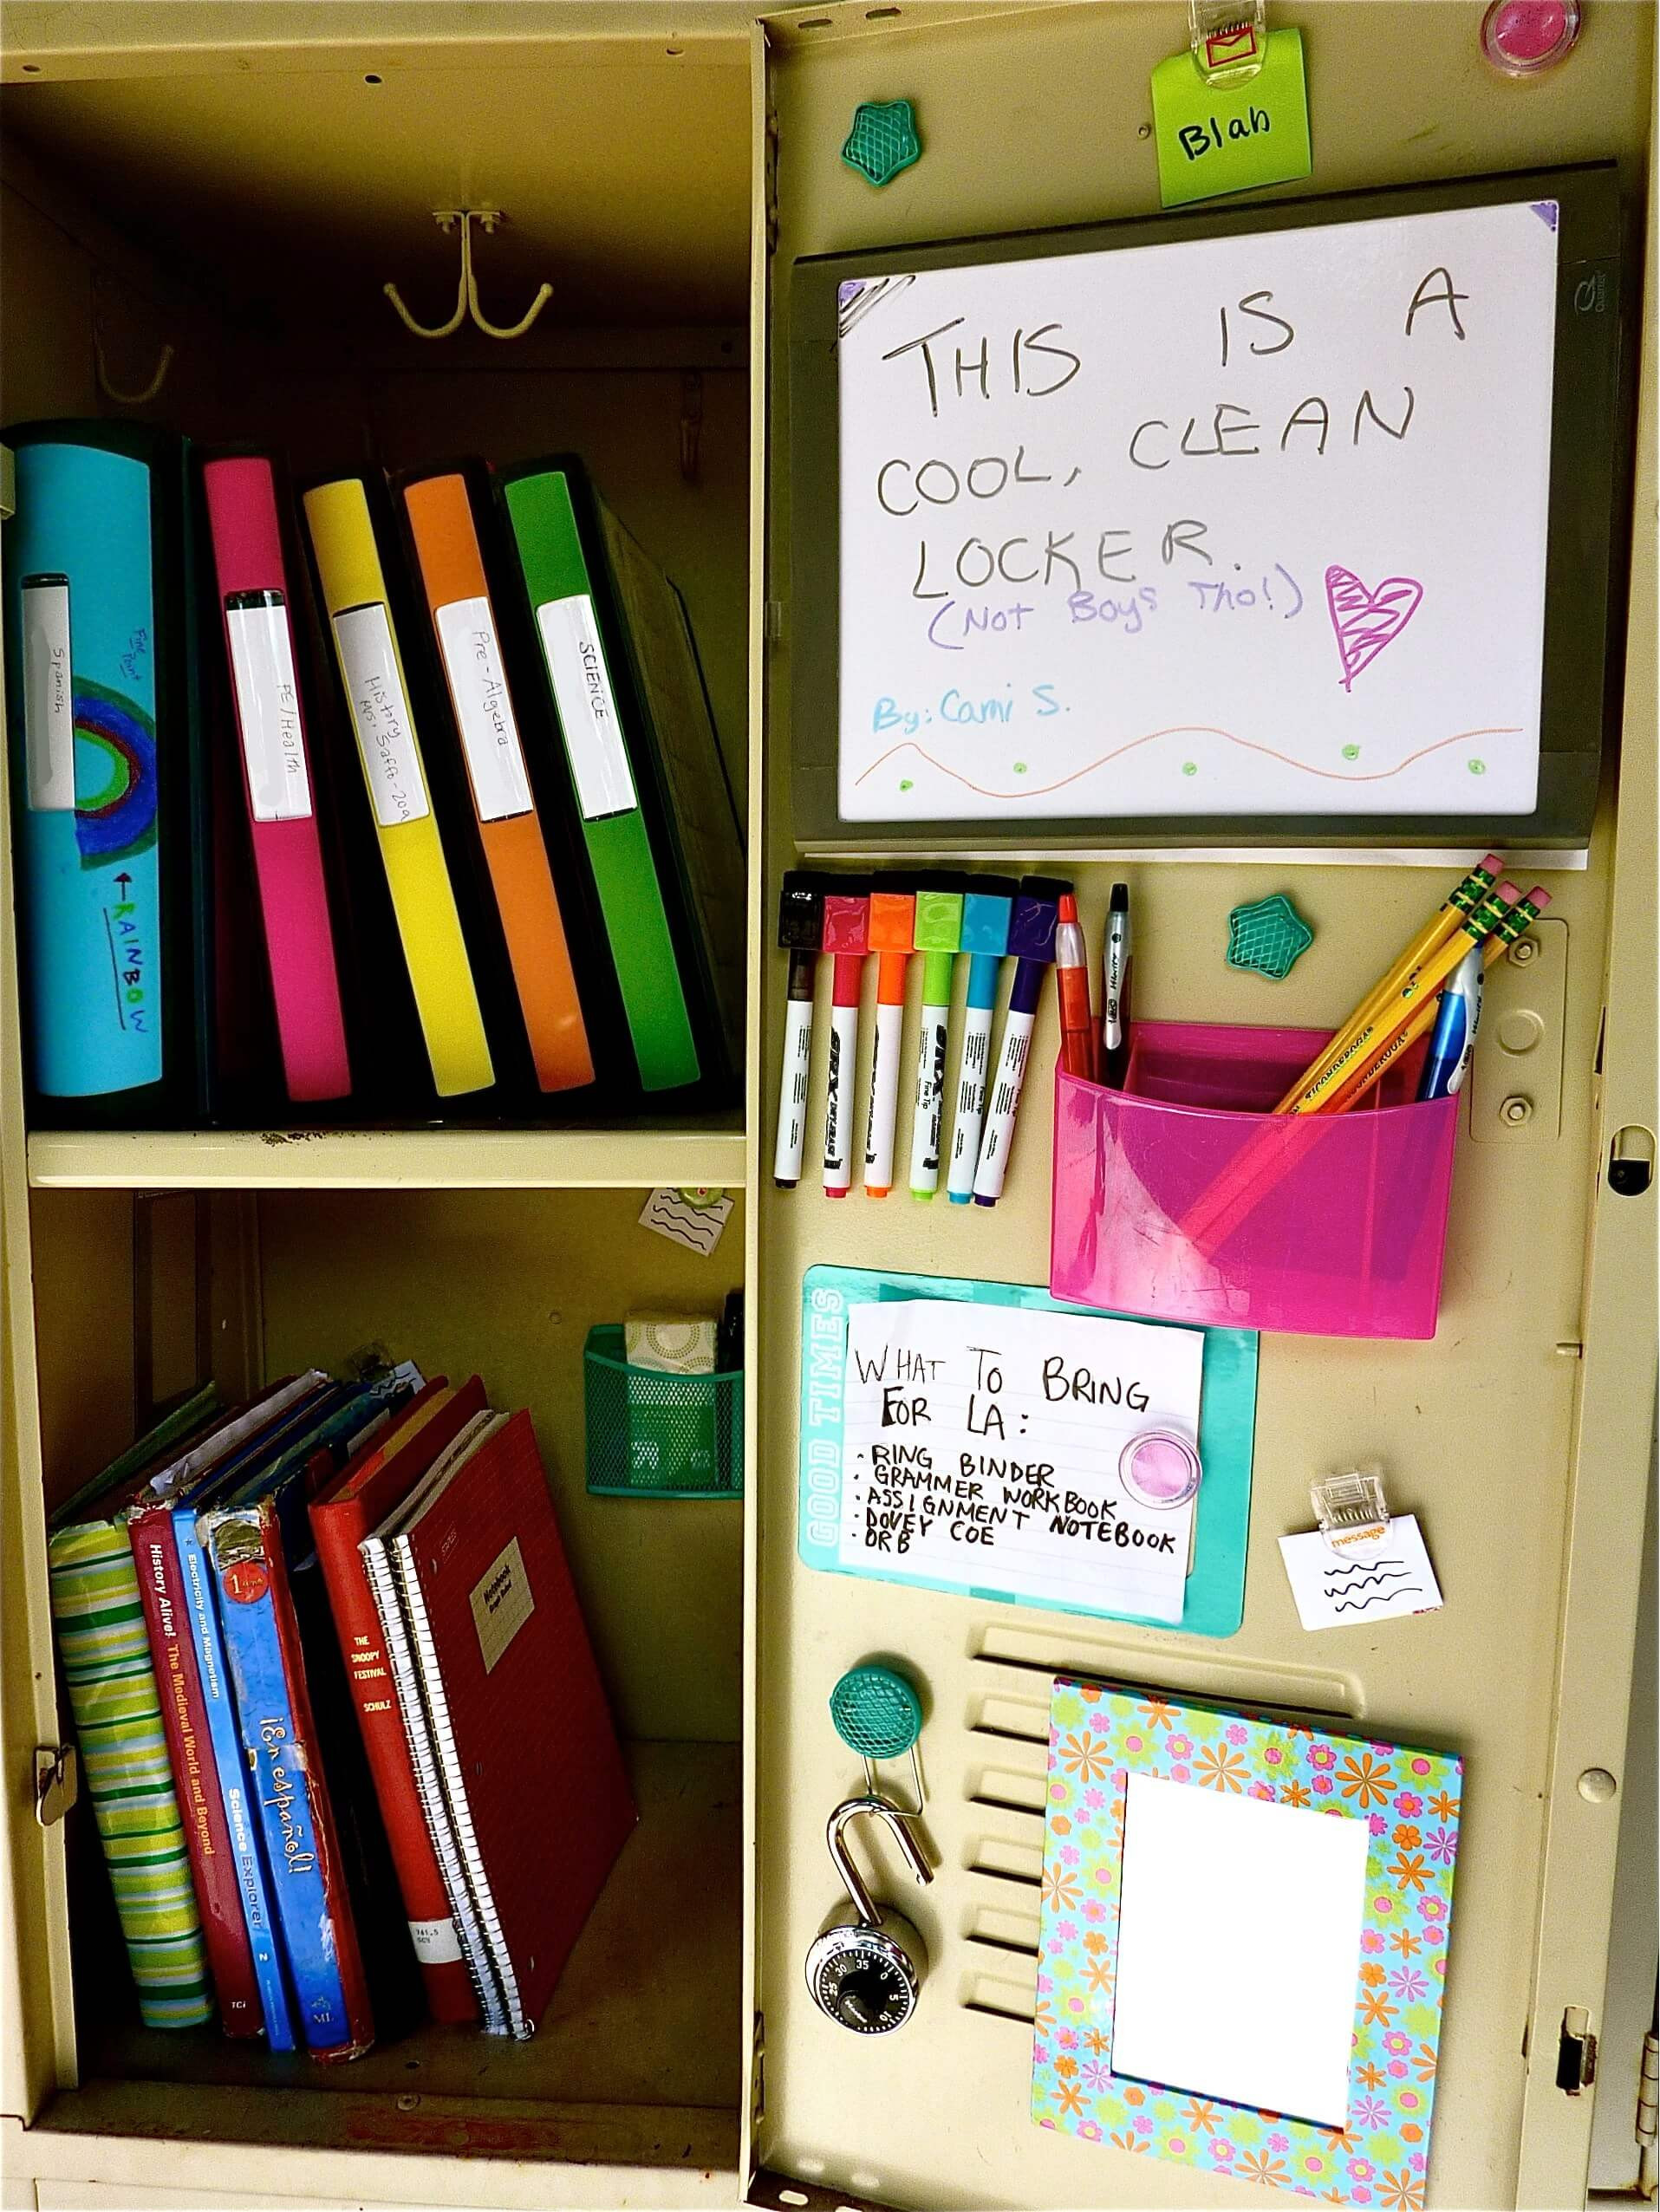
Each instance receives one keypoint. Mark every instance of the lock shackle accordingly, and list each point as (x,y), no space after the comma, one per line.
(877,1808)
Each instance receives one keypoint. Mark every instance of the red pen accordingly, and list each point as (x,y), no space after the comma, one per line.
(846,936)
(1077,1036)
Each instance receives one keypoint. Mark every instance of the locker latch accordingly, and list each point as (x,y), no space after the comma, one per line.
(57,1782)
(1576,2057)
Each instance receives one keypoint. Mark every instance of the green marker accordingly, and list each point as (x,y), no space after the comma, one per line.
(939,938)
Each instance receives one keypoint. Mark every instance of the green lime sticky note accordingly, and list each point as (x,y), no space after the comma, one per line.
(1229,137)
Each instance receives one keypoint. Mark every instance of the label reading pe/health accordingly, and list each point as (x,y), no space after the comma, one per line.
(268,707)
(48,695)
(484,710)
(380,716)
(582,687)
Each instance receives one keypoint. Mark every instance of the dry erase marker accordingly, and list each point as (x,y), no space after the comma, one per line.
(893,926)
(1032,941)
(1073,982)
(801,933)
(988,908)
(939,939)
(1115,991)
(847,937)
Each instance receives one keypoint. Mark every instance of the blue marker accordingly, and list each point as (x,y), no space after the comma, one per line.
(1453,1039)
(988,908)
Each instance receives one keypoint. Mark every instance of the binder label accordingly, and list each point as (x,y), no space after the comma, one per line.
(501,1603)
(268,707)
(467,637)
(436,1941)
(48,695)
(386,729)
(581,685)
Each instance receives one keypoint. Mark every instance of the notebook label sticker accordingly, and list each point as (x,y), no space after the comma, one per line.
(501,1603)
(436,1941)
(268,707)
(581,685)
(48,695)
(467,637)
(380,716)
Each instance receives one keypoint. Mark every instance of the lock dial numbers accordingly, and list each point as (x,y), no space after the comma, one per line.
(862,1980)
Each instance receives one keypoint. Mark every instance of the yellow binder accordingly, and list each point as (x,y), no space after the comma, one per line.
(371,669)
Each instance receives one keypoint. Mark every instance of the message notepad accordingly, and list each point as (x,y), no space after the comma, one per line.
(1243,1942)
(967,1436)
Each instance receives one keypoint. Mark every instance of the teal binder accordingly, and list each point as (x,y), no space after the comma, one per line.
(1215,1603)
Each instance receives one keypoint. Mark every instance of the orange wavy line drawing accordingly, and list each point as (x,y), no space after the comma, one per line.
(1178,730)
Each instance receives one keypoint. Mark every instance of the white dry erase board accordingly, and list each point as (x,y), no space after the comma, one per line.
(1212,521)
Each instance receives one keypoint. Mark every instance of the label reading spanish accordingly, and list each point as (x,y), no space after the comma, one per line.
(467,637)
(386,734)
(48,695)
(268,707)
(501,1603)
(581,685)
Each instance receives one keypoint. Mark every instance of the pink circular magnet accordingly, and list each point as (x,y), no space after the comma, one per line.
(1159,1467)
(1521,37)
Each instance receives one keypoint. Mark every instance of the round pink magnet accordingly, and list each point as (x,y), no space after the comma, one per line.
(1159,1467)
(1521,37)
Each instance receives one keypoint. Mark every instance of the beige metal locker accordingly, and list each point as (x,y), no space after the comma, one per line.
(237,182)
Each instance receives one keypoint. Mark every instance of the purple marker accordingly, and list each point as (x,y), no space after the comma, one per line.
(1032,941)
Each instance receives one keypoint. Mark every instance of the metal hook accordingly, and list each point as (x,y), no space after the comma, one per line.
(128,398)
(466,297)
(875,1808)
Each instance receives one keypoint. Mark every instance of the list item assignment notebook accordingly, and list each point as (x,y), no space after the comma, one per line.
(277,776)
(528,1758)
(411,851)
(444,530)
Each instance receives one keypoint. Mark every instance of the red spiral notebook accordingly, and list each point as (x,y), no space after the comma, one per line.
(277,778)
(371,1485)
(529,1760)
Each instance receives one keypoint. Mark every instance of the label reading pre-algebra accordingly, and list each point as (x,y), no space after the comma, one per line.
(483,710)
(380,716)
(48,695)
(582,687)
(268,705)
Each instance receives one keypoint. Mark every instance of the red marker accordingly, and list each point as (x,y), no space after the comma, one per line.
(1077,1037)
(846,936)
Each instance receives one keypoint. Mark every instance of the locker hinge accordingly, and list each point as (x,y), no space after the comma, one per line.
(1576,2055)
(1648,2092)
(774,621)
(770,181)
(57,1781)
(758,2074)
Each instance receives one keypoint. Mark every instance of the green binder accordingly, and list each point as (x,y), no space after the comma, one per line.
(616,776)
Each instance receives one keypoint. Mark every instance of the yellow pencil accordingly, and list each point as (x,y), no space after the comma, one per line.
(1460,902)
(1520,917)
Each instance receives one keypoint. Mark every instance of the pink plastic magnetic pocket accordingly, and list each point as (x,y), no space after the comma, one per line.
(1184,1197)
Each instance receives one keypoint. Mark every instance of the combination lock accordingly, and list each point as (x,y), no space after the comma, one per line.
(865,1967)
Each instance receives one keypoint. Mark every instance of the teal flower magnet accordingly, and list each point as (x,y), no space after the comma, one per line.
(884,140)
(1267,938)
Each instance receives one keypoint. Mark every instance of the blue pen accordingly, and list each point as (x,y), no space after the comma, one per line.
(1453,1039)
(987,909)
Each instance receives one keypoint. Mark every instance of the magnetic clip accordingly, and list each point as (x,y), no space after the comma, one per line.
(1229,39)
(1352,1511)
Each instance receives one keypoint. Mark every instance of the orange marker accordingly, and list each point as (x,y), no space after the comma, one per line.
(1077,1030)
(892,938)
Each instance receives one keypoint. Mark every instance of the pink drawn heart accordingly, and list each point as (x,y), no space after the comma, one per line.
(1366,620)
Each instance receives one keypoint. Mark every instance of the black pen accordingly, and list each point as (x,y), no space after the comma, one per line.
(1115,991)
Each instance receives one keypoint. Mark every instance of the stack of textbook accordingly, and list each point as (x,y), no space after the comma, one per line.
(344,1736)
(390,800)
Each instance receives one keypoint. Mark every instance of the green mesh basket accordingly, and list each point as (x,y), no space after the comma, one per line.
(656,1436)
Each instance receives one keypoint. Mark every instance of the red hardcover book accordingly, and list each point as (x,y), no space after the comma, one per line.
(530,1759)
(372,1486)
(201,1805)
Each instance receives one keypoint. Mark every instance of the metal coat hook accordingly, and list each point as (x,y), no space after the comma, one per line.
(128,398)
(466,297)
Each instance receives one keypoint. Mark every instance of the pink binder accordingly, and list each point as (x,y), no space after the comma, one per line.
(277,775)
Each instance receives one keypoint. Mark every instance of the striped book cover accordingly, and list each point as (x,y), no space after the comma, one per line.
(105,1650)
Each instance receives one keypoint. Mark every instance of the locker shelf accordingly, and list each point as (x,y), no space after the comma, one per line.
(643,1157)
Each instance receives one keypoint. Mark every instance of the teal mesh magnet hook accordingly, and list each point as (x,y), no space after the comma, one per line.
(878,1715)
(1268,938)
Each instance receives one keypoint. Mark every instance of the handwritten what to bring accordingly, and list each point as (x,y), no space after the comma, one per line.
(1252,524)
(980,1450)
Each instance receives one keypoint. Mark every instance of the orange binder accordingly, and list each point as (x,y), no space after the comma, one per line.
(451,563)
